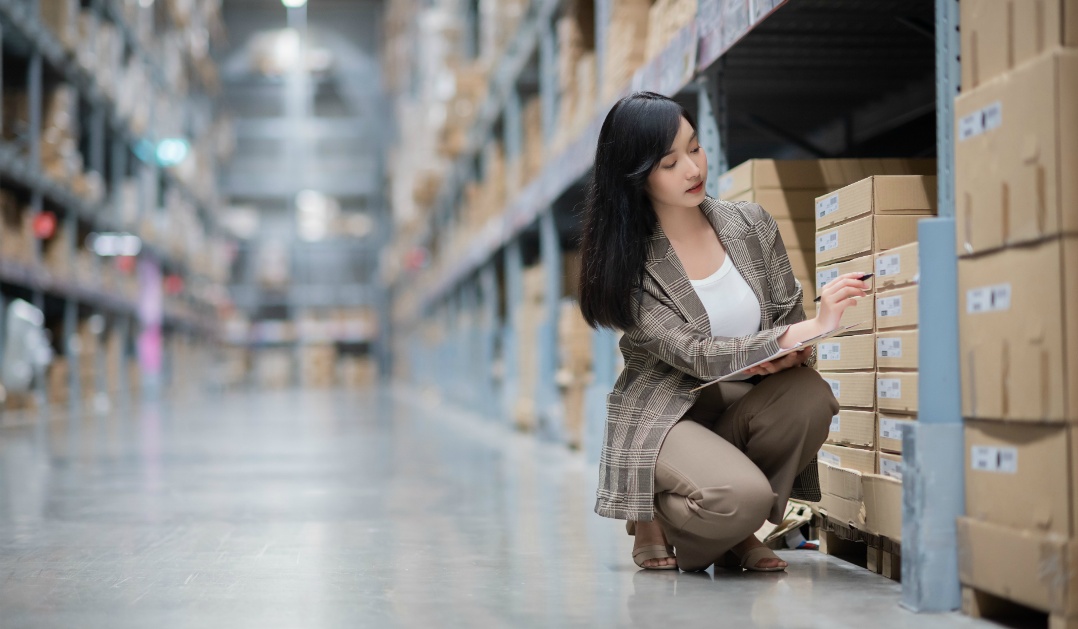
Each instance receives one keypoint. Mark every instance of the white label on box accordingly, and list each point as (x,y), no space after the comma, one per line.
(827,206)
(889,388)
(830,351)
(827,242)
(824,277)
(829,458)
(836,423)
(890,429)
(988,298)
(836,387)
(994,459)
(889,307)
(889,348)
(725,183)
(888,265)
(981,121)
(892,469)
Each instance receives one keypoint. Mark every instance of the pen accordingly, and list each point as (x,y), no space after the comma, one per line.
(863,278)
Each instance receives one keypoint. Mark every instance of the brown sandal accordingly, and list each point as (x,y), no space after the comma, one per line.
(654,551)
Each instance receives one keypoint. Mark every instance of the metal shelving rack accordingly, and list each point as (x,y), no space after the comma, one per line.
(112,142)
(782,79)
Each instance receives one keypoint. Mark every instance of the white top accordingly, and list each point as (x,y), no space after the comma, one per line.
(731,306)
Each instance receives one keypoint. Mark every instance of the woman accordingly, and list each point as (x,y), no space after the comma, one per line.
(701,288)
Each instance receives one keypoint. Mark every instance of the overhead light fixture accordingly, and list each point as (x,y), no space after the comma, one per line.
(172,151)
(108,245)
(294,4)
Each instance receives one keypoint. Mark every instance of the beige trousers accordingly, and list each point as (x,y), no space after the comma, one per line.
(731,462)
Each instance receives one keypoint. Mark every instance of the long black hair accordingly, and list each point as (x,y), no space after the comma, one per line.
(618,215)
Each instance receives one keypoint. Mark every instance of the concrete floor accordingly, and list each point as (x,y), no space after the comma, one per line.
(309,510)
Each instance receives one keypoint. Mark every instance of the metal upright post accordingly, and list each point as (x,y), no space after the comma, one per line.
(604,345)
(603,10)
(548,77)
(514,297)
(513,131)
(933,449)
(488,298)
(548,396)
(710,111)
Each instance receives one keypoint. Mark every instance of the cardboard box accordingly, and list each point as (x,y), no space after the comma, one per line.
(865,235)
(853,389)
(847,353)
(898,308)
(1018,333)
(803,262)
(897,349)
(828,272)
(841,494)
(797,234)
(1022,475)
(898,267)
(1016,151)
(853,428)
(883,506)
(999,36)
(890,465)
(902,194)
(781,203)
(1028,567)
(863,461)
(897,391)
(891,429)
(814,174)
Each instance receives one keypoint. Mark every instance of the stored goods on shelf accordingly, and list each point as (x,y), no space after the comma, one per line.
(898,308)
(665,19)
(855,352)
(814,174)
(1000,36)
(626,45)
(863,312)
(877,195)
(865,235)
(855,390)
(897,391)
(890,433)
(853,428)
(897,349)
(897,267)
(857,459)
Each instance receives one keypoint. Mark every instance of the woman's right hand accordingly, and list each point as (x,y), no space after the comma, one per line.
(838,295)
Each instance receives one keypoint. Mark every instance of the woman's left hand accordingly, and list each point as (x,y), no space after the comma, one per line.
(789,360)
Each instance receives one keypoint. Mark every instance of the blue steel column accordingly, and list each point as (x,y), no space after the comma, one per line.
(709,98)
(548,77)
(488,299)
(933,450)
(604,374)
(548,395)
(514,297)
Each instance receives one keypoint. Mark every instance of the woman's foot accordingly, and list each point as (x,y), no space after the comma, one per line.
(651,534)
(767,563)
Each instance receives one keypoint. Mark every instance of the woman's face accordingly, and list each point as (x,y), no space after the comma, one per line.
(681,176)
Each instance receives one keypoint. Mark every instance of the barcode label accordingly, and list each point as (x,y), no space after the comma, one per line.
(892,469)
(890,429)
(825,277)
(836,424)
(836,387)
(827,242)
(827,206)
(830,351)
(889,307)
(829,458)
(889,348)
(981,121)
(994,459)
(888,265)
(988,299)
(889,388)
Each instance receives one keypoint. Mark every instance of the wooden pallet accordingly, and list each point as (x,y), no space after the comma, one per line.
(868,550)
(981,604)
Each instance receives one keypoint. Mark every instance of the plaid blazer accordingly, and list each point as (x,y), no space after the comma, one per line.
(670,350)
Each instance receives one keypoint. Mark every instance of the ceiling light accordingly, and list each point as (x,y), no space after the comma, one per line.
(294,4)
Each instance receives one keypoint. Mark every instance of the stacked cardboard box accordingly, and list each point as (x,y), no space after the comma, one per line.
(357,372)
(534,145)
(273,368)
(58,385)
(318,368)
(666,18)
(788,190)
(865,366)
(1017,237)
(626,45)
(574,374)
(576,71)
(88,346)
(16,231)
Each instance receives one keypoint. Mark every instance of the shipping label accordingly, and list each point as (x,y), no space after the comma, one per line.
(888,266)
(829,458)
(827,242)
(981,121)
(890,429)
(889,347)
(994,459)
(889,388)
(830,351)
(836,423)
(836,387)
(825,277)
(890,468)
(889,306)
(988,299)
(827,206)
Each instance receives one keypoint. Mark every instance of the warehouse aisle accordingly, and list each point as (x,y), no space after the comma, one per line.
(308,509)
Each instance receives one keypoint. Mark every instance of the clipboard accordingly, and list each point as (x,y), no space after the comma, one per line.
(779,354)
